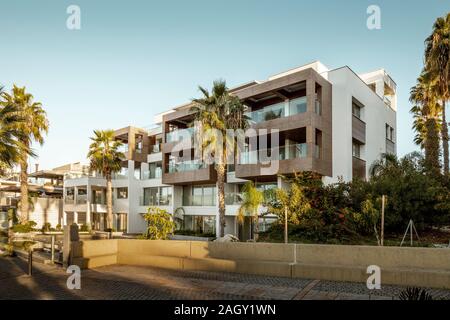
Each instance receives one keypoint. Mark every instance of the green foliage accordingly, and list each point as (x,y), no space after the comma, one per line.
(352,210)
(58,227)
(85,228)
(46,227)
(8,250)
(25,227)
(252,198)
(160,224)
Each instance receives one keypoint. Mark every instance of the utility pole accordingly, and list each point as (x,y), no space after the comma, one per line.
(382,219)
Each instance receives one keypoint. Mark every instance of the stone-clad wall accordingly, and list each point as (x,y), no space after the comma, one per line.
(427,267)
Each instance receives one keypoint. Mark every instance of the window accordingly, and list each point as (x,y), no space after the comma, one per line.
(356,108)
(199,195)
(150,197)
(122,193)
(356,150)
(70,195)
(297,106)
(157,196)
(165,196)
(389,132)
(155,170)
(98,197)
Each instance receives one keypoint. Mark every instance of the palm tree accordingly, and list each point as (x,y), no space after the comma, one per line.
(426,112)
(10,146)
(32,129)
(437,59)
(105,158)
(219,111)
(252,198)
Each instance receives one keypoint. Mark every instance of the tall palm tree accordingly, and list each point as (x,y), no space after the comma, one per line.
(252,198)
(105,158)
(32,129)
(426,112)
(437,59)
(10,146)
(219,110)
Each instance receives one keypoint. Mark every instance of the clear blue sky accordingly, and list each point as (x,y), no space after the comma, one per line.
(133,59)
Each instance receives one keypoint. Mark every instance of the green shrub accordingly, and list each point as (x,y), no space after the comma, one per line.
(85,228)
(160,224)
(46,227)
(24,228)
(58,227)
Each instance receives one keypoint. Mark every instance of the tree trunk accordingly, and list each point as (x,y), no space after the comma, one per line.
(256,226)
(221,194)
(24,205)
(109,211)
(432,147)
(444,133)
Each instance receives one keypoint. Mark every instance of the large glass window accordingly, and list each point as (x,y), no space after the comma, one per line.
(150,197)
(199,195)
(165,196)
(297,106)
(157,196)
(155,170)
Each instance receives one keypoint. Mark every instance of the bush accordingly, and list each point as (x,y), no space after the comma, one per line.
(46,227)
(24,228)
(160,224)
(85,228)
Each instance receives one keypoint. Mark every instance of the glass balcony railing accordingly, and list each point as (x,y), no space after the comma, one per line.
(180,134)
(186,166)
(152,174)
(81,199)
(281,153)
(279,110)
(156,148)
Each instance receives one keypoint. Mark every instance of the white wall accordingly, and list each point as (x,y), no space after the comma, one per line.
(45,210)
(346,84)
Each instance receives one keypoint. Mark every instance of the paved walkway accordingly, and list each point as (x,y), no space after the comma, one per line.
(131,282)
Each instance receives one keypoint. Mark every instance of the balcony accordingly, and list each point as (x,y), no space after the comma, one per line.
(185,166)
(359,168)
(279,110)
(156,148)
(81,199)
(281,153)
(180,134)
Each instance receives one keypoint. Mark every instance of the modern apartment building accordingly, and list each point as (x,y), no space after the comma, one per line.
(333,122)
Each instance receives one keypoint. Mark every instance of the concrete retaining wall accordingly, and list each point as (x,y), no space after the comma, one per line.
(425,267)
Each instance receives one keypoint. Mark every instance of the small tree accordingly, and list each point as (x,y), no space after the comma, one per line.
(252,199)
(159,224)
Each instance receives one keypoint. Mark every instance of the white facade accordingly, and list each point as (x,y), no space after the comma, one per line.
(375,91)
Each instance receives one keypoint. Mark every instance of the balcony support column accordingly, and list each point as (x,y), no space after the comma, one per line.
(310,95)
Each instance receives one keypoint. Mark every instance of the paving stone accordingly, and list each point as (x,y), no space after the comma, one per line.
(140,283)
